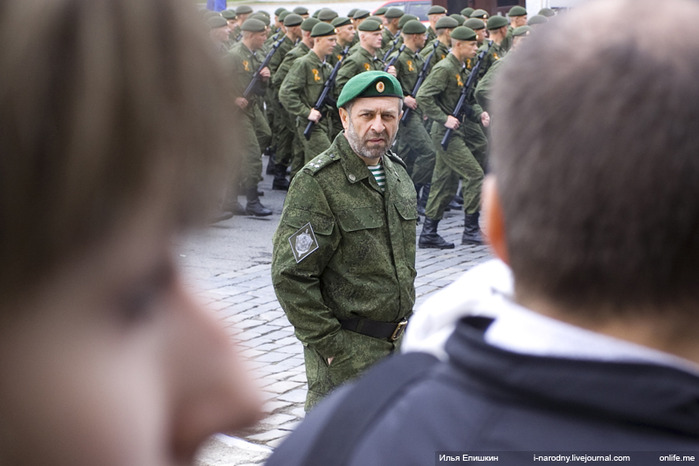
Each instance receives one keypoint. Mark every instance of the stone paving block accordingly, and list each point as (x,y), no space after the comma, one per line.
(277,420)
(265,437)
(283,386)
(272,357)
(274,405)
(295,396)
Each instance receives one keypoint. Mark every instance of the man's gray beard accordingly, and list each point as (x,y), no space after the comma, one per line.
(360,149)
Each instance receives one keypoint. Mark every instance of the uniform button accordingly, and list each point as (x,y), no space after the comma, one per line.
(352,178)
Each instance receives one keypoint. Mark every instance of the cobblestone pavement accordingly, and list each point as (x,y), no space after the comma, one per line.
(230,266)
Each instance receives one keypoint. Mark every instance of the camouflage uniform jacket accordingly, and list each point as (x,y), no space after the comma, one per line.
(408,67)
(440,92)
(438,55)
(358,62)
(343,248)
(297,52)
(243,63)
(303,84)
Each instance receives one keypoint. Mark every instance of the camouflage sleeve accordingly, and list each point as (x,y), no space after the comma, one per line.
(292,88)
(485,86)
(282,71)
(304,243)
(346,72)
(433,86)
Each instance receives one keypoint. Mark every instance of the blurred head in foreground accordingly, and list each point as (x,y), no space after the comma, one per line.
(113,139)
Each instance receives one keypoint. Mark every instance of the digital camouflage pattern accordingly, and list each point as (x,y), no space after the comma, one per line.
(344,249)
(357,62)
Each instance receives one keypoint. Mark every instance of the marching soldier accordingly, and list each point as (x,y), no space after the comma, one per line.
(433,15)
(444,26)
(464,156)
(391,31)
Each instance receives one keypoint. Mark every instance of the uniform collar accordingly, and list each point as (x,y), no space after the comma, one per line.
(355,168)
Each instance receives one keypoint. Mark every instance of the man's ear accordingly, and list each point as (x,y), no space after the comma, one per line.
(344,117)
(494,219)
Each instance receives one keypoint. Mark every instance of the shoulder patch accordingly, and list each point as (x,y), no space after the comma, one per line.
(320,162)
(303,242)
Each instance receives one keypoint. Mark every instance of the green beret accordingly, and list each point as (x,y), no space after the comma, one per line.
(446,23)
(517,11)
(370,25)
(360,14)
(253,25)
(522,31)
(308,24)
(380,11)
(467,12)
(351,12)
(300,10)
(341,21)
(370,84)
(404,19)
(463,33)
(326,14)
(217,21)
(479,14)
(228,14)
(496,22)
(548,12)
(459,19)
(282,16)
(393,12)
(436,10)
(315,14)
(323,29)
(414,27)
(279,11)
(292,19)
(261,17)
(264,12)
(537,19)
(474,23)
(378,19)
(243,10)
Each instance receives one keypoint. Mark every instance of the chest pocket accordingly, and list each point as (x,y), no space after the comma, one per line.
(406,209)
(362,218)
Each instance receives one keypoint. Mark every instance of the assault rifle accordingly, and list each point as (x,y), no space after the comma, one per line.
(420,79)
(265,62)
(393,46)
(327,87)
(393,60)
(462,105)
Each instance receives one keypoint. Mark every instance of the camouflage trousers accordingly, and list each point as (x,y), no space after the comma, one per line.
(415,147)
(465,160)
(360,353)
(317,142)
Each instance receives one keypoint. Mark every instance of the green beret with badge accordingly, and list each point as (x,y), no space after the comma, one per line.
(370,84)
(300,10)
(463,33)
(393,13)
(361,14)
(436,10)
(216,22)
(341,21)
(350,13)
(292,19)
(404,19)
(261,16)
(479,13)
(467,12)
(458,18)
(380,11)
(370,25)
(414,27)
(517,11)
(446,23)
(496,22)
(253,25)
(228,14)
(243,10)
(323,29)
(308,24)
(474,23)
(327,14)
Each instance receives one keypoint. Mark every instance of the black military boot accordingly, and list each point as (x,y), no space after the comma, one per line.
(280,182)
(422,200)
(429,237)
(270,163)
(254,206)
(472,231)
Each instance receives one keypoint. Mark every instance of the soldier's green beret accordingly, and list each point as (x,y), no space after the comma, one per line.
(404,19)
(261,17)
(370,84)
(459,19)
(264,12)
(217,21)
(463,33)
(279,10)
(446,23)
(243,10)
(548,12)
(361,14)
(522,31)
(436,10)
(292,19)
(323,29)
(209,14)
(326,14)
(496,22)
(351,13)
(393,12)
(282,16)
(380,11)
(253,25)
(308,24)
(341,21)
(479,14)
(474,23)
(370,25)
(228,14)
(315,14)
(537,19)
(517,11)
(467,12)
(300,10)
(375,18)
(414,27)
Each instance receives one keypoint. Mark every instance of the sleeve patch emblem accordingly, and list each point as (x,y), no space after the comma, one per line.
(303,242)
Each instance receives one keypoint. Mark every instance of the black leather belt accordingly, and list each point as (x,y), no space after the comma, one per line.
(390,331)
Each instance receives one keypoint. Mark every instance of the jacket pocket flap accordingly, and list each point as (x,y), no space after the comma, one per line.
(362,218)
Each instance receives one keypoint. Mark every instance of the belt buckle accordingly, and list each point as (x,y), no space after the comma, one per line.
(400,328)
